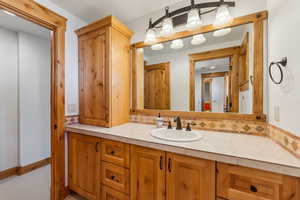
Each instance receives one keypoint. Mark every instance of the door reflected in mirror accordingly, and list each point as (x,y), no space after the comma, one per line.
(206,73)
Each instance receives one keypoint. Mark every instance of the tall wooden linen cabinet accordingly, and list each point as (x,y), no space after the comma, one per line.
(104,72)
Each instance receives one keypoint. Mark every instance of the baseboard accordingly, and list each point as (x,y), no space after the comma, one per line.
(33,166)
(67,192)
(9,172)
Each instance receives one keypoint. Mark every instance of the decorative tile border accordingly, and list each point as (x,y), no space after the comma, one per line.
(285,139)
(72,119)
(234,126)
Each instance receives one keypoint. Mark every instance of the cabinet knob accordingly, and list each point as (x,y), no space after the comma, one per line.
(112,152)
(253,188)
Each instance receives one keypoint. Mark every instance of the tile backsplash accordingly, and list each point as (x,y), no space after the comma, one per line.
(285,139)
(235,126)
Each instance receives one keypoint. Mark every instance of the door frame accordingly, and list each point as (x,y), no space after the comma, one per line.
(38,14)
(231,52)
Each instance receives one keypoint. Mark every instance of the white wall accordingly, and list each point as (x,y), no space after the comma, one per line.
(243,7)
(71,57)
(284,40)
(179,72)
(34,98)
(8,99)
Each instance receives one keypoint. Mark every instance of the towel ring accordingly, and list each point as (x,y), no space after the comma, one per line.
(279,65)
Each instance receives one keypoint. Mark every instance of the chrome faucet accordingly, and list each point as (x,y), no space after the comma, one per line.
(178,123)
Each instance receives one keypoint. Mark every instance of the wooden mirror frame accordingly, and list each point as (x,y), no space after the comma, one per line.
(38,14)
(258,27)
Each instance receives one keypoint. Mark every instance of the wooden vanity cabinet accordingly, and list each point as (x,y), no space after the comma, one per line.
(241,183)
(148,174)
(101,169)
(84,165)
(157,175)
(190,178)
(104,75)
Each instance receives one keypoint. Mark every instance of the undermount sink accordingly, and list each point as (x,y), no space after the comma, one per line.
(176,135)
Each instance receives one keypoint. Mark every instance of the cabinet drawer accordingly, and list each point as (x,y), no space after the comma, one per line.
(115,152)
(240,183)
(115,177)
(111,194)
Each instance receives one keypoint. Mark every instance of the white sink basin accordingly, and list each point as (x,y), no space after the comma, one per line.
(176,135)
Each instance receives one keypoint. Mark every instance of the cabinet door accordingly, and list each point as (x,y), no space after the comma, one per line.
(190,178)
(147,174)
(93,78)
(84,165)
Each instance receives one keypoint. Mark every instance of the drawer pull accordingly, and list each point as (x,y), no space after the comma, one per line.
(112,177)
(253,188)
(96,147)
(170,165)
(161,163)
(112,152)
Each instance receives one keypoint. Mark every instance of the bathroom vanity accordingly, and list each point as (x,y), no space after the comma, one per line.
(126,162)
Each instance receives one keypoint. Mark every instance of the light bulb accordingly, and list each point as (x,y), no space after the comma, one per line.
(150,36)
(194,21)
(222,32)
(223,16)
(157,47)
(198,39)
(177,44)
(167,27)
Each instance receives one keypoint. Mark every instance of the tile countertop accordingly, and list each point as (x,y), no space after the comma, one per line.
(237,149)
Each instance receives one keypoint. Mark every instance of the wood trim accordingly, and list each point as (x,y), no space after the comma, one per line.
(133,78)
(247,19)
(67,192)
(18,171)
(258,82)
(215,54)
(34,12)
(105,22)
(33,166)
(8,172)
(214,75)
(199,115)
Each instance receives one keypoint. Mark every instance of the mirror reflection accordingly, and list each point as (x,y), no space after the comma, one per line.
(208,72)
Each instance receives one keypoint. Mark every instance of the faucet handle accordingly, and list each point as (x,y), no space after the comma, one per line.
(188,127)
(169,125)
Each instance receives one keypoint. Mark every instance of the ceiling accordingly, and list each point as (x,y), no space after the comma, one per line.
(127,10)
(220,65)
(18,24)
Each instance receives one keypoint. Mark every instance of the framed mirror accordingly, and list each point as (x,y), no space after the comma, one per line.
(213,72)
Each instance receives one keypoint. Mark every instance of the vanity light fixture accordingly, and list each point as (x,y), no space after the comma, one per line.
(198,39)
(213,67)
(194,18)
(151,34)
(222,32)
(157,47)
(223,16)
(190,16)
(167,25)
(9,13)
(177,44)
